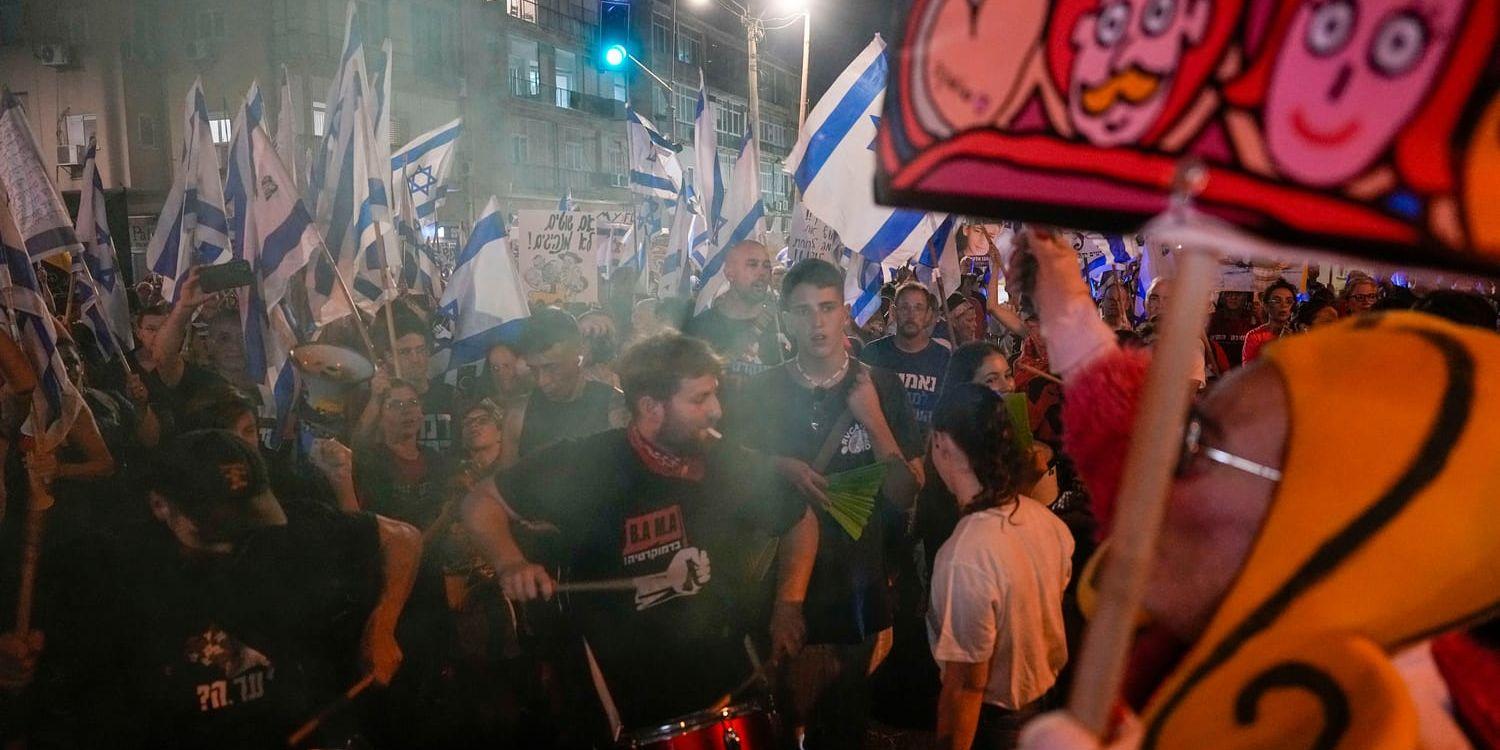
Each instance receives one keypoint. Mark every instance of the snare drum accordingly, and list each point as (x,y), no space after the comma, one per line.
(745,726)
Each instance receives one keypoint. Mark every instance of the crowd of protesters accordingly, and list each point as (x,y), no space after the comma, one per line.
(212,577)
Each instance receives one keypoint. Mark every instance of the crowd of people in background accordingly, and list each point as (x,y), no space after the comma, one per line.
(213,578)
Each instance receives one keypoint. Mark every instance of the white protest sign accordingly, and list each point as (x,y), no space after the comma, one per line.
(811,238)
(557,253)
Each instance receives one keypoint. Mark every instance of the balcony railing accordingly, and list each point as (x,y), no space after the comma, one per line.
(559,180)
(523,86)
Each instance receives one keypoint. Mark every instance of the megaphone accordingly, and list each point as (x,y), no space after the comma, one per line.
(328,373)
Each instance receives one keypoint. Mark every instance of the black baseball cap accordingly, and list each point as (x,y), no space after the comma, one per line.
(218,481)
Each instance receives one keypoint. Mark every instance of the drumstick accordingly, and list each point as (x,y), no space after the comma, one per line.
(612,584)
(1039,373)
(334,706)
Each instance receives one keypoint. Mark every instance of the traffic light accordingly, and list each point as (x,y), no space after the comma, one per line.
(614,33)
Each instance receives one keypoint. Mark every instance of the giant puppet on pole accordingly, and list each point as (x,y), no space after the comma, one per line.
(1273,129)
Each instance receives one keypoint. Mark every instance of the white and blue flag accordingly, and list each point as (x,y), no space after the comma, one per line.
(421,168)
(566,203)
(744,214)
(687,229)
(280,240)
(833,166)
(862,282)
(99,255)
(192,229)
(937,265)
(86,308)
(287,130)
(55,401)
(42,221)
(708,178)
(654,168)
(239,175)
(484,292)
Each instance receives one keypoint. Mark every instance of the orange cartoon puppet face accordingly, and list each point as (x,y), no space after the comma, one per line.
(972,55)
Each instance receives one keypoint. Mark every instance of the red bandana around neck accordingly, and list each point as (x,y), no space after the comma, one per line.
(660,461)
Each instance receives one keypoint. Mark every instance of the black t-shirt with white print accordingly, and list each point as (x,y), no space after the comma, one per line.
(848,599)
(676,643)
(237,651)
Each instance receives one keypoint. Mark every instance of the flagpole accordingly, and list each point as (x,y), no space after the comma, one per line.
(38,502)
(359,323)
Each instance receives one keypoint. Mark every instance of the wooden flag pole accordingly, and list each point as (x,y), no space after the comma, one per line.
(359,323)
(1145,484)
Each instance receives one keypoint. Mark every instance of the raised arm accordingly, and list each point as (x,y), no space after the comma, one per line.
(167,348)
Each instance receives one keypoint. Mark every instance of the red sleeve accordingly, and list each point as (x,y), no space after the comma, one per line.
(1098,416)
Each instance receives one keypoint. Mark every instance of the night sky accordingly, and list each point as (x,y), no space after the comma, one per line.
(841,28)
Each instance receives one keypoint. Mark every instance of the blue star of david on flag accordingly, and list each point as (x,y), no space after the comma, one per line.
(421,181)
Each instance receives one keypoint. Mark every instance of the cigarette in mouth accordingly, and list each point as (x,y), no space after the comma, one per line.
(715,434)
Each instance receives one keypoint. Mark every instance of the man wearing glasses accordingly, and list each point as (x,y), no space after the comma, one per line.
(917,359)
(1317,525)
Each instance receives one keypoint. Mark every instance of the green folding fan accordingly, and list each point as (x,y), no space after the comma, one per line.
(851,497)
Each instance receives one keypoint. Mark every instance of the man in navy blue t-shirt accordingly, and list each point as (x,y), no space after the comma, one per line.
(917,359)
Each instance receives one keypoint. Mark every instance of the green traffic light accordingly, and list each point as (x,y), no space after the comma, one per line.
(614,55)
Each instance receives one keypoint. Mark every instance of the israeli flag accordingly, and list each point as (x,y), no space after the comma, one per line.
(833,165)
(938,263)
(55,402)
(353,200)
(744,211)
(708,178)
(239,176)
(566,203)
(286,128)
(99,256)
(192,229)
(42,221)
(687,228)
(862,282)
(654,169)
(280,239)
(86,308)
(421,170)
(484,291)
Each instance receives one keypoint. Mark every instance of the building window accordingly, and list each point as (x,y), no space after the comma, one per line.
(80,129)
(522,9)
(661,39)
(773,134)
(689,48)
(730,121)
(320,118)
(615,161)
(525,68)
(146,135)
(574,154)
(565,76)
(520,149)
(219,127)
(210,25)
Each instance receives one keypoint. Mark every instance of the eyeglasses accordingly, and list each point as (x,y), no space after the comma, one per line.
(1364,297)
(399,404)
(1193,448)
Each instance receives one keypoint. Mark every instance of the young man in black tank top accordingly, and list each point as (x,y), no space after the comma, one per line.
(564,404)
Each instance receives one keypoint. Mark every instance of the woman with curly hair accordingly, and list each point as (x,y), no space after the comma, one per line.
(996,621)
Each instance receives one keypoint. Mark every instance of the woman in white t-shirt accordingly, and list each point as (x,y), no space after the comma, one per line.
(996,623)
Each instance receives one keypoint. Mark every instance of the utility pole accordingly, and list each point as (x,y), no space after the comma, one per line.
(754,32)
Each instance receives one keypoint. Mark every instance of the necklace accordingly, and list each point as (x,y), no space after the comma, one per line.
(843,369)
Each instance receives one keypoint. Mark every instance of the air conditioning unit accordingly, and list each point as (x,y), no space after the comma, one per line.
(71,155)
(54,55)
(199,50)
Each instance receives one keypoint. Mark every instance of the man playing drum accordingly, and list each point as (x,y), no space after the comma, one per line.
(667,516)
